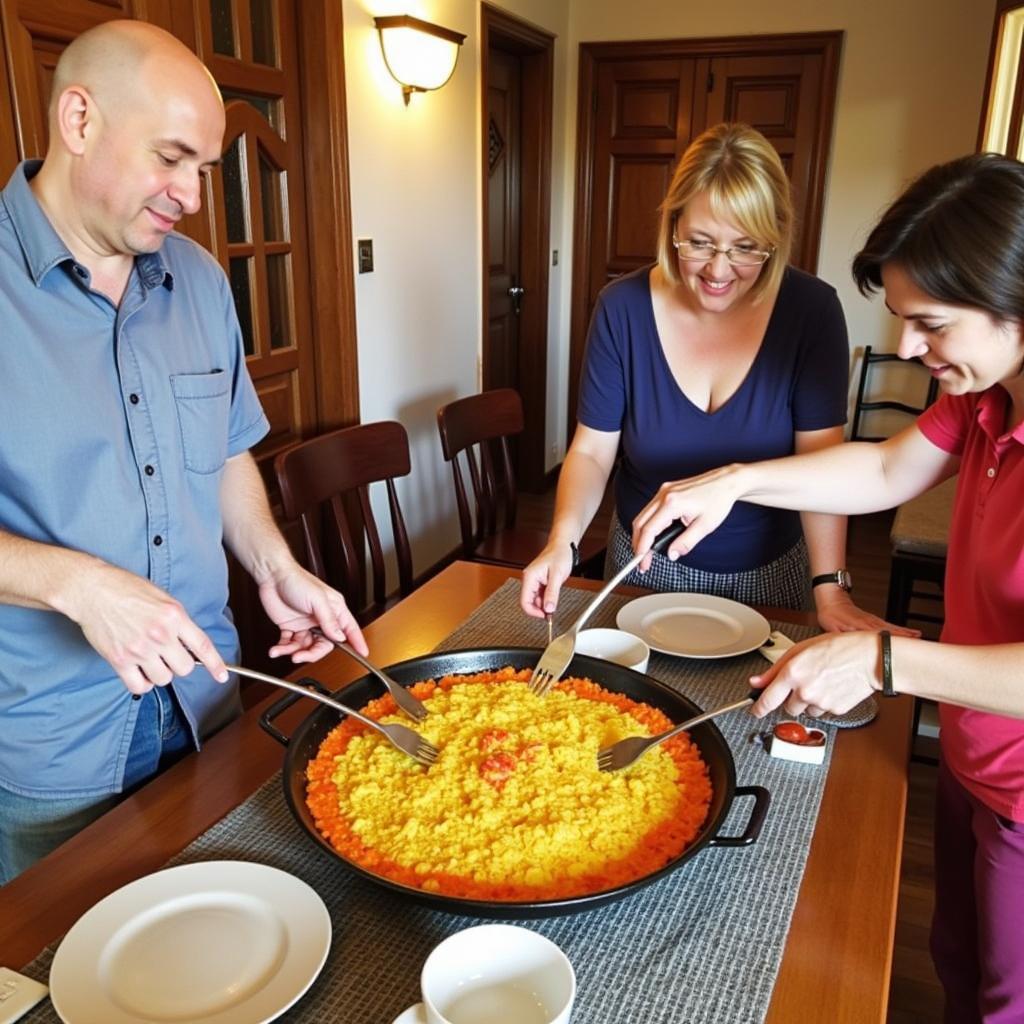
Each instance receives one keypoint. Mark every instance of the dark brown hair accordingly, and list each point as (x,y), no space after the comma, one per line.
(958,233)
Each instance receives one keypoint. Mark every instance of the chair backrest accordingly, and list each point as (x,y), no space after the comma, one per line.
(338,468)
(479,428)
(864,405)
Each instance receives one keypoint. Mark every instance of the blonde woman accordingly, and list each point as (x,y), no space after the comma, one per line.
(719,353)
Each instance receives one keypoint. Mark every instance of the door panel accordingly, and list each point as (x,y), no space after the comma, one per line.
(642,110)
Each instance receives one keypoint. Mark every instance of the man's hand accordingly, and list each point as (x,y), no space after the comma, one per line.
(145,634)
(297,601)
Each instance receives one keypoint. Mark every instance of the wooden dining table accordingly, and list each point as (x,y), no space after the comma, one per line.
(837,957)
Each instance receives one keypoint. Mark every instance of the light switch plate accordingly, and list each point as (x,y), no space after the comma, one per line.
(18,994)
(364,248)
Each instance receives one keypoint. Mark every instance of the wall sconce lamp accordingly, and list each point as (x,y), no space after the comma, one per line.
(419,55)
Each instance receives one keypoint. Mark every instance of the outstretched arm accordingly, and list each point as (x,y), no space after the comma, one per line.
(835,671)
(842,480)
(294,599)
(826,545)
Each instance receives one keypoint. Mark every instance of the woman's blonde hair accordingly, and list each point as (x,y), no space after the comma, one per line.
(741,174)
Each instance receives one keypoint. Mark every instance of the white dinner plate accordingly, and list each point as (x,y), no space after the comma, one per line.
(694,625)
(218,942)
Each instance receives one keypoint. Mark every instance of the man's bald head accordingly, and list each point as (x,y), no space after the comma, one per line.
(118,61)
(136,124)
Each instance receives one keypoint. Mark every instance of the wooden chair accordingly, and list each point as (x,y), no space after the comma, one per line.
(865,405)
(476,430)
(336,469)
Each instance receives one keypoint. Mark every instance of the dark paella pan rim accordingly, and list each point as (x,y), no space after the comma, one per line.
(305,740)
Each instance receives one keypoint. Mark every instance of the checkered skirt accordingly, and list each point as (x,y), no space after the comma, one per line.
(783,583)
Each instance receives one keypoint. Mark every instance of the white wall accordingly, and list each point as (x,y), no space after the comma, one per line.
(910,94)
(415,190)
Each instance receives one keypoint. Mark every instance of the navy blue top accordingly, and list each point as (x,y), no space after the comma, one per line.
(117,422)
(798,381)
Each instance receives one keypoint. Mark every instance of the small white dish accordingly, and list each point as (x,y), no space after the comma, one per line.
(694,625)
(614,645)
(796,751)
(217,942)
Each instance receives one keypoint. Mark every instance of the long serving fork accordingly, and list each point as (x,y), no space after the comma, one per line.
(558,653)
(402,697)
(399,736)
(625,752)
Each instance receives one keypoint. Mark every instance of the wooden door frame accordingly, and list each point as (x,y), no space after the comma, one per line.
(1003,7)
(827,45)
(535,48)
(332,264)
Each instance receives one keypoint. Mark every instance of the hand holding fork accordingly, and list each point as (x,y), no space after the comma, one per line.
(558,653)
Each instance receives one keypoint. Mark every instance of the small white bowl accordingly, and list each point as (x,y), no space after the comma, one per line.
(614,645)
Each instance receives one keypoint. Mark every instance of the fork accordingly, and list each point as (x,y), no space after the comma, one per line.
(402,697)
(625,752)
(556,656)
(407,740)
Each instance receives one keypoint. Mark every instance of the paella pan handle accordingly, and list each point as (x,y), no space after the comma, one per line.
(762,798)
(282,705)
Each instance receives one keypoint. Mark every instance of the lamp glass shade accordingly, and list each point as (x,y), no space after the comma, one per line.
(416,59)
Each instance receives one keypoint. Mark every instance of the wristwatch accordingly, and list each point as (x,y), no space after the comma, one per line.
(575,555)
(841,578)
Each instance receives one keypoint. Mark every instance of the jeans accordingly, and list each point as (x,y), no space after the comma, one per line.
(976,940)
(31,826)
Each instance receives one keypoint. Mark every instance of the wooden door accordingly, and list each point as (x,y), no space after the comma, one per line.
(641,104)
(290,276)
(516,96)
(780,95)
(258,212)
(500,355)
(642,123)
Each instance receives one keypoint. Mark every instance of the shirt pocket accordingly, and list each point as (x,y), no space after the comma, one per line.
(203,401)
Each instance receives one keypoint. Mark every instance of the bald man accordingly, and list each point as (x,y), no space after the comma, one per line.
(124,454)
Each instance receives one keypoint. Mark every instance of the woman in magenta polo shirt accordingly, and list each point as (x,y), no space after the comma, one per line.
(949,254)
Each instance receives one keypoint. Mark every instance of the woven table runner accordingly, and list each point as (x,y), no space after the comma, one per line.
(700,946)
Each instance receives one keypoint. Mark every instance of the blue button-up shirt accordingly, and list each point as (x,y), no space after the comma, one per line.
(116,424)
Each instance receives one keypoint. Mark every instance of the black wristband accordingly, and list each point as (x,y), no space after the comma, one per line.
(575,554)
(887,687)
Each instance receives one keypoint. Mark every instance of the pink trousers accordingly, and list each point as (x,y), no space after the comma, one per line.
(977,936)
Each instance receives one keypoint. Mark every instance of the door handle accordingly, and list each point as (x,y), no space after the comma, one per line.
(516,293)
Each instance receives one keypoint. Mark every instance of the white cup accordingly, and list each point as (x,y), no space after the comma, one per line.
(614,645)
(497,974)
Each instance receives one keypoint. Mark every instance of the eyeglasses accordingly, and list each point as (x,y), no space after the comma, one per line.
(703,252)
